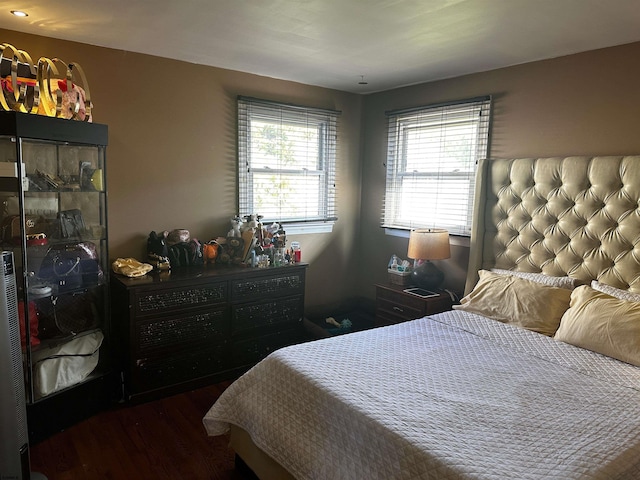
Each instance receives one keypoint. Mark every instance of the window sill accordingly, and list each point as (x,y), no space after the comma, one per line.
(457,240)
(307,228)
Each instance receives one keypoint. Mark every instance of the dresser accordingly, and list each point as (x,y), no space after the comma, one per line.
(196,325)
(393,305)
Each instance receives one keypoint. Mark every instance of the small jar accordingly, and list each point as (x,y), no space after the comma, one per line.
(278,257)
(296,253)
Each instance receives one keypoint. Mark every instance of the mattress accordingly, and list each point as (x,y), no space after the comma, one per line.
(452,396)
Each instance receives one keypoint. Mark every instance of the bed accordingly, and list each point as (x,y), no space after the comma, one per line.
(478,392)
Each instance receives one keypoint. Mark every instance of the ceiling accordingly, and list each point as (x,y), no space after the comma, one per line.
(338,43)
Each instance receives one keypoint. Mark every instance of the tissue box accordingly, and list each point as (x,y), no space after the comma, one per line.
(399,278)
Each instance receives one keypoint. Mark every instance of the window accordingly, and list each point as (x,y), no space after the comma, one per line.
(431,162)
(287,163)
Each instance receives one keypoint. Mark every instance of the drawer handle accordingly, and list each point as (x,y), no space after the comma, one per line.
(398,309)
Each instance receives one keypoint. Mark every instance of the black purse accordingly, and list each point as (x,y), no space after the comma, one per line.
(71,266)
(66,314)
(71,223)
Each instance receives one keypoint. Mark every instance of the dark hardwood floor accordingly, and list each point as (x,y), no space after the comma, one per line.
(158,440)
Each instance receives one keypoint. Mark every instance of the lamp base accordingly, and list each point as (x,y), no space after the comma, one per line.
(427,276)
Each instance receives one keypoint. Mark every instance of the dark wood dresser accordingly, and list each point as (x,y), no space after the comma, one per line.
(195,325)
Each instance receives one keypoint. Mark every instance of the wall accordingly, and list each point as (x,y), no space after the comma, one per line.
(583,104)
(172,154)
(172,151)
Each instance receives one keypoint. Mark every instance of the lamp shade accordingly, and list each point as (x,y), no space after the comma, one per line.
(429,244)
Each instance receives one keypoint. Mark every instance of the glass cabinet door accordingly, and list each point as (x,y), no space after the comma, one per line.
(54,220)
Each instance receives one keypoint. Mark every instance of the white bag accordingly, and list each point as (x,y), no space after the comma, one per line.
(64,365)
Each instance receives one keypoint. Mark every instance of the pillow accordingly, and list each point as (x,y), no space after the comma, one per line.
(560,282)
(515,300)
(615,292)
(603,324)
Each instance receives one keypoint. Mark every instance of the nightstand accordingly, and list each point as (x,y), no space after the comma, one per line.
(395,306)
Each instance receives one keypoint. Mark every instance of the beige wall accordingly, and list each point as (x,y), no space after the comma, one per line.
(172,154)
(582,104)
(172,151)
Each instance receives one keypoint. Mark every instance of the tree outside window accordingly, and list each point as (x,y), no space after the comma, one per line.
(286,162)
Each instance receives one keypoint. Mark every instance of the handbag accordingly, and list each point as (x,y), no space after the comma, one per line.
(68,314)
(61,366)
(70,266)
(12,224)
(33,324)
(185,254)
(71,223)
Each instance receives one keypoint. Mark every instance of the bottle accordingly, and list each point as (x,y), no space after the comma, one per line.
(278,257)
(296,252)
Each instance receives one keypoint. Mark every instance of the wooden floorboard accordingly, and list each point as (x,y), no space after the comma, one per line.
(158,440)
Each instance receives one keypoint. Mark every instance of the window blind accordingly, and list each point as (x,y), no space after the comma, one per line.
(286,161)
(431,163)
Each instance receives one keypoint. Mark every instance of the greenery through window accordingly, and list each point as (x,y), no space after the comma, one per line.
(287,160)
(431,163)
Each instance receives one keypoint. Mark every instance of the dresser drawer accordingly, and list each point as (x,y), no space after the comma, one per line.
(154,302)
(180,366)
(401,298)
(398,310)
(394,306)
(278,313)
(161,336)
(268,287)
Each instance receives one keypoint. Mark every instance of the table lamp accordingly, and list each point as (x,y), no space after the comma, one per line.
(425,245)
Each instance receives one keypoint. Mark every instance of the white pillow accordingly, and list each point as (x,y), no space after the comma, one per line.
(560,282)
(615,292)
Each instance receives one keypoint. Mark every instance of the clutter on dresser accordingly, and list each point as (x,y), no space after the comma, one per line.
(159,263)
(251,243)
(130,267)
(174,248)
(248,243)
(210,251)
(296,253)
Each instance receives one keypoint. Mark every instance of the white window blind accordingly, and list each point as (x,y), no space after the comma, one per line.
(431,163)
(287,162)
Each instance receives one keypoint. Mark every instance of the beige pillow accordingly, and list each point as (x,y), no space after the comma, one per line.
(603,324)
(517,301)
(560,282)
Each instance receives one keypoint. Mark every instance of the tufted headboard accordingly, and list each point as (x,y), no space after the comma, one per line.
(575,216)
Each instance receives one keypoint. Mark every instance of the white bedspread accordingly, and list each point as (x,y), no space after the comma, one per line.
(454,396)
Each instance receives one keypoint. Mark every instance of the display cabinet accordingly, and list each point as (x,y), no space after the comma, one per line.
(54,220)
